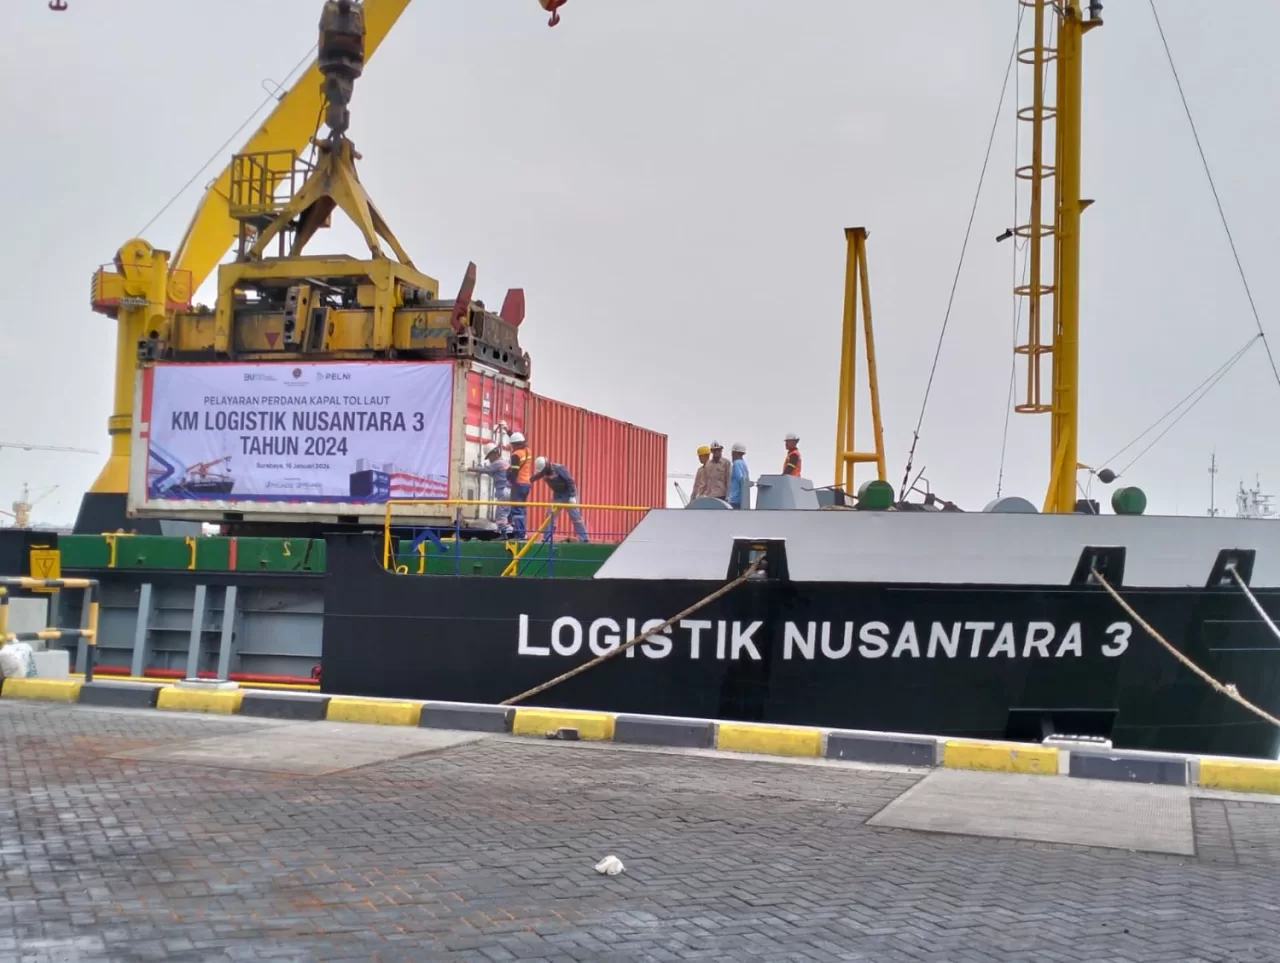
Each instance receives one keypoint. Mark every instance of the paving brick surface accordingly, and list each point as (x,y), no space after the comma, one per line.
(484,851)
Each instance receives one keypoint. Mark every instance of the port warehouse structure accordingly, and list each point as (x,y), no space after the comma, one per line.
(615,463)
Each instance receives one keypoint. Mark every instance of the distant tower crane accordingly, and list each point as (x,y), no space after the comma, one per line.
(21,513)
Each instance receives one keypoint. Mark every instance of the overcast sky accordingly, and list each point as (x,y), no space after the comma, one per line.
(669,183)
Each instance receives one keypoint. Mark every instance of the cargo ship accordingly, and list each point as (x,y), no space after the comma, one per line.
(849,608)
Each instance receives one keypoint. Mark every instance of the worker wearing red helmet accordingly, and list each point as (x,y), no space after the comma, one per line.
(791,463)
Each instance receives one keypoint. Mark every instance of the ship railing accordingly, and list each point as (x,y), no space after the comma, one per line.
(89,633)
(545,551)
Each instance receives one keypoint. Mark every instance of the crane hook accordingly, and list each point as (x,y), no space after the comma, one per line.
(57,4)
(551,6)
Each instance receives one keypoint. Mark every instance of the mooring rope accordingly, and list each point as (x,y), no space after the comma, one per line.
(722,590)
(1231,569)
(1230,691)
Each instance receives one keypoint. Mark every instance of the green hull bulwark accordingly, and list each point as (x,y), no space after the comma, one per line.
(242,554)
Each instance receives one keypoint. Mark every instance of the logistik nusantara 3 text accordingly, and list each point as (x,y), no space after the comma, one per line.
(735,640)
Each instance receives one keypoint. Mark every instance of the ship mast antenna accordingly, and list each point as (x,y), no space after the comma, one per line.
(1213,473)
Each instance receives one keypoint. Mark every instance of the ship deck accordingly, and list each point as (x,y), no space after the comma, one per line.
(161,835)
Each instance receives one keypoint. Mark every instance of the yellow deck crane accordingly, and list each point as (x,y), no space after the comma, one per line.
(292,305)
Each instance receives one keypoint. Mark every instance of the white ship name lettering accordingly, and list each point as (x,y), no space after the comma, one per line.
(736,641)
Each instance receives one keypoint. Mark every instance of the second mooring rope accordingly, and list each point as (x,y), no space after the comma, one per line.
(1230,691)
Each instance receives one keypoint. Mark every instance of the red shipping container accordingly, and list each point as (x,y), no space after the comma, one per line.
(615,463)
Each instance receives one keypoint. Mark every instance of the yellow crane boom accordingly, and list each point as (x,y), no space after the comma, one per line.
(290,126)
(147,285)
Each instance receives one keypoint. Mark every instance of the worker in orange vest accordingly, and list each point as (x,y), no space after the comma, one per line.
(791,464)
(520,475)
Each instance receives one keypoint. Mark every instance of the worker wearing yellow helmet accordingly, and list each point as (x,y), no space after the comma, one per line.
(700,479)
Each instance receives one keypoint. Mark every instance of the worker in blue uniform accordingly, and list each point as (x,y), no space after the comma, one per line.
(564,491)
(497,468)
(739,478)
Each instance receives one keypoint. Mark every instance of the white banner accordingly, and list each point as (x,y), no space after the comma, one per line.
(321,432)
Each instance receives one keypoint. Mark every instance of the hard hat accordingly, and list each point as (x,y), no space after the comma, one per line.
(495,450)
(517,438)
(739,448)
(716,446)
(791,436)
(539,463)
(703,450)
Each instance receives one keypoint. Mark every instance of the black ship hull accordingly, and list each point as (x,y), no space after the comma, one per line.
(960,660)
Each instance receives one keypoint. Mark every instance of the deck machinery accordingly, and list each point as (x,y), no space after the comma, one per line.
(274,301)
(323,306)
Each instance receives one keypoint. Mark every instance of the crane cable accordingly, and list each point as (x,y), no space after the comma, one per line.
(946,318)
(1026,261)
(1204,161)
(1196,395)
(274,95)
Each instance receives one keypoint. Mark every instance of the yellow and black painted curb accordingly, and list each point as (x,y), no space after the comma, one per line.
(901,749)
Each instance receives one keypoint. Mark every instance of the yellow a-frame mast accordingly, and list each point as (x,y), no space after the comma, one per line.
(855,278)
(1064,346)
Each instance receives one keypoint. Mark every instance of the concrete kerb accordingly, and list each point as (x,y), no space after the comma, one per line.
(120,695)
(894,748)
(863,746)
(45,690)
(466,716)
(1156,768)
(1239,775)
(665,731)
(283,704)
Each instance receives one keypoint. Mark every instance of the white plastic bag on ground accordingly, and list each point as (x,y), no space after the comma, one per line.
(16,661)
(610,866)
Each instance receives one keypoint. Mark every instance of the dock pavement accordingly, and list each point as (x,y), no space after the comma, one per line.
(136,834)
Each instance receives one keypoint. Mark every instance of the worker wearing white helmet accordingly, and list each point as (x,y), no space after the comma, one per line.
(520,477)
(564,491)
(791,463)
(497,468)
(716,478)
(739,478)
